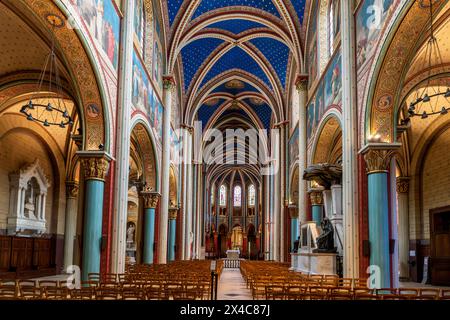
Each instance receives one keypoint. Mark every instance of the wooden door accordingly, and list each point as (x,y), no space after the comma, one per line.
(440,246)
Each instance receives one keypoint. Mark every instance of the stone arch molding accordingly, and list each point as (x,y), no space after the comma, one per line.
(27,201)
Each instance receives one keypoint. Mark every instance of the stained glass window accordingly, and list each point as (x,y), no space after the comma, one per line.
(251,195)
(223,196)
(237,199)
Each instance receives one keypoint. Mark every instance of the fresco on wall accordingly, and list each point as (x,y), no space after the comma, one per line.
(319,105)
(139,21)
(310,118)
(333,83)
(312,39)
(103,22)
(145,99)
(336,7)
(175,147)
(158,67)
(370,20)
(293,147)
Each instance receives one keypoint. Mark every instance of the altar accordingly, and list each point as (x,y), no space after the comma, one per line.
(233,254)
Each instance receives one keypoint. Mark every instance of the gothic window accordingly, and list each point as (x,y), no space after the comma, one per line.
(251,196)
(223,196)
(237,197)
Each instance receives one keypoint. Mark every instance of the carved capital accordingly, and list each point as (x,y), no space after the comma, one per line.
(173,213)
(72,189)
(168,82)
(316,197)
(293,211)
(402,184)
(95,168)
(150,199)
(378,156)
(302,82)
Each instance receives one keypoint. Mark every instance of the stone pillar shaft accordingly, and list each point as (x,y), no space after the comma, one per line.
(95,170)
(150,204)
(165,172)
(70,222)
(403,225)
(302,89)
(120,210)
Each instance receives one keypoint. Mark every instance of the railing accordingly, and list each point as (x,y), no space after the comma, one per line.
(231,263)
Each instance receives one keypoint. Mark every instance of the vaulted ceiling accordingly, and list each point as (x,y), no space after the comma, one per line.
(235,53)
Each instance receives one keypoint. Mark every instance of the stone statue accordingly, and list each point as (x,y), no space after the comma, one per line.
(130,233)
(324,174)
(325,242)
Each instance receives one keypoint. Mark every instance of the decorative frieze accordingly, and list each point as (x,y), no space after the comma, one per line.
(95,168)
(402,184)
(316,197)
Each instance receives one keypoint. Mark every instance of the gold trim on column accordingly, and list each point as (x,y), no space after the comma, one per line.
(168,82)
(173,213)
(402,184)
(72,189)
(378,156)
(316,197)
(95,168)
(302,82)
(150,199)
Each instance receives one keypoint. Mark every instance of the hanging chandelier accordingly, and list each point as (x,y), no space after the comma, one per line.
(50,111)
(428,100)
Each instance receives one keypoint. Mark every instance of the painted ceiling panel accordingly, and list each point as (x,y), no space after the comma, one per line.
(173,7)
(276,52)
(194,54)
(299,6)
(263,111)
(236,26)
(209,5)
(236,58)
(206,111)
(235,91)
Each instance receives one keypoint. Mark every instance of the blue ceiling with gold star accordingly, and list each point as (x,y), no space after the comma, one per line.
(269,47)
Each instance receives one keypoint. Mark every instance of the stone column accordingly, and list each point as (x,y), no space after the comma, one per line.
(150,204)
(95,166)
(119,219)
(316,196)
(293,213)
(188,194)
(378,158)
(302,90)
(336,216)
(70,221)
(403,226)
(349,142)
(173,212)
(165,172)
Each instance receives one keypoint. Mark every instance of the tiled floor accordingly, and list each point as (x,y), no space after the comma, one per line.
(232,286)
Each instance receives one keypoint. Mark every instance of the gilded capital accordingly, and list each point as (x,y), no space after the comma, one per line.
(302,82)
(72,189)
(95,168)
(168,82)
(316,197)
(150,199)
(378,156)
(402,185)
(173,212)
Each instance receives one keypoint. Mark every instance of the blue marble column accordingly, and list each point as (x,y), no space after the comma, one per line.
(294,232)
(316,197)
(378,157)
(172,232)
(95,170)
(150,204)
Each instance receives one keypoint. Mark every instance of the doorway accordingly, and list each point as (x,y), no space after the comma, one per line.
(440,246)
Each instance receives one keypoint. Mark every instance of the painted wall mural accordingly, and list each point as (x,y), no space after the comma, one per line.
(103,22)
(175,147)
(139,21)
(293,147)
(370,20)
(328,95)
(312,40)
(158,61)
(145,99)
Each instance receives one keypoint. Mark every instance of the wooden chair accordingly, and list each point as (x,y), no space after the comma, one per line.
(428,294)
(360,283)
(56,293)
(385,293)
(274,292)
(340,293)
(30,293)
(8,292)
(106,294)
(445,293)
(345,282)
(133,294)
(408,293)
(318,293)
(94,277)
(155,292)
(84,293)
(296,292)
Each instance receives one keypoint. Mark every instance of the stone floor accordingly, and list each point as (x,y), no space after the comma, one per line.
(232,286)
